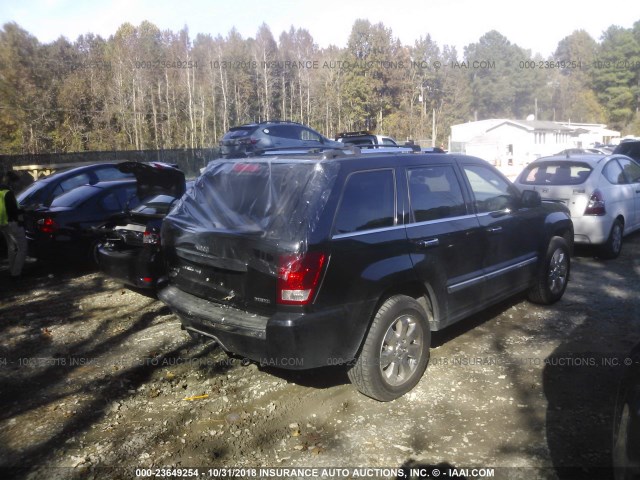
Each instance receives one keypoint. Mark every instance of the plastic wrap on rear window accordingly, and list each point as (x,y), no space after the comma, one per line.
(239,207)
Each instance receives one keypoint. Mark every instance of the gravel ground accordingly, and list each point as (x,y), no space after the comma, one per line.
(98,381)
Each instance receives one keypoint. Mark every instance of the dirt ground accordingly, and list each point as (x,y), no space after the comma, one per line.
(99,381)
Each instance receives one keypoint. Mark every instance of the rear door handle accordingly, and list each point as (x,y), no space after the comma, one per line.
(433,242)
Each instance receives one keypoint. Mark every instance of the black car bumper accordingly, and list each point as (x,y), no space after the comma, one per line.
(137,267)
(295,341)
(58,248)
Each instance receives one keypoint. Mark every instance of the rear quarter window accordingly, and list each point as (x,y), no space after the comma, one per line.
(631,170)
(613,173)
(71,183)
(368,202)
(556,173)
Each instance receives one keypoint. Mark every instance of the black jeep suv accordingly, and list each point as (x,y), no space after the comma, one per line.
(307,261)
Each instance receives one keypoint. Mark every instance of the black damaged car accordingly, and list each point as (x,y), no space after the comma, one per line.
(71,228)
(131,251)
(304,261)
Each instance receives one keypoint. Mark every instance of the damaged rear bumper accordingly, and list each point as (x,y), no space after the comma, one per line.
(289,340)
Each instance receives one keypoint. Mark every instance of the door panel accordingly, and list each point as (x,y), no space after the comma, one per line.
(508,231)
(632,198)
(445,240)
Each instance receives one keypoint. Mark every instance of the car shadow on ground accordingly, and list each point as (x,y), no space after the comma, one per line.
(333,376)
(38,379)
(581,376)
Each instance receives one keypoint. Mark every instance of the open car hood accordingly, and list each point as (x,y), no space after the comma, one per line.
(155,178)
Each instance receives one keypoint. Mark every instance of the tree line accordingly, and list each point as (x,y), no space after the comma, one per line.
(145,88)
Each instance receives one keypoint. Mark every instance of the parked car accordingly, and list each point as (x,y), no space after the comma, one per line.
(255,138)
(366,139)
(44,190)
(601,191)
(73,225)
(626,425)
(131,251)
(308,261)
(630,148)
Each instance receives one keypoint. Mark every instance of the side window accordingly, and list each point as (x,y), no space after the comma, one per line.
(282,131)
(308,135)
(491,191)
(435,193)
(631,170)
(388,141)
(613,173)
(368,202)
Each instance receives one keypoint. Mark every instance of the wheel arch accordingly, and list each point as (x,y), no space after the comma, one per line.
(423,294)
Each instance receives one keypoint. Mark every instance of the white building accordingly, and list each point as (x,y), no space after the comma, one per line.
(511,144)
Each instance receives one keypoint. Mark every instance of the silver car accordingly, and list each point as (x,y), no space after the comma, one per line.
(601,191)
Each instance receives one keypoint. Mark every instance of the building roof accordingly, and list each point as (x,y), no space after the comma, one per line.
(539,125)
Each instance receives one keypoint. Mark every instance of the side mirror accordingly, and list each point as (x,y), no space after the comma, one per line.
(531,199)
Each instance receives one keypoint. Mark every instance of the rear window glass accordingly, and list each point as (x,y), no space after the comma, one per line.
(110,202)
(158,205)
(556,173)
(237,133)
(75,197)
(359,140)
(278,200)
(630,149)
(105,174)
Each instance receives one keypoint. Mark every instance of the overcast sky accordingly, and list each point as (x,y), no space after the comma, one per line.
(535,25)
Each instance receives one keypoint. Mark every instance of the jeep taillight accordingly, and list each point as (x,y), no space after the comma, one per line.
(47,225)
(298,277)
(595,206)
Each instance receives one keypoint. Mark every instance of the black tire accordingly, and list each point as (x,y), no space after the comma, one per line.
(92,253)
(395,352)
(613,246)
(553,274)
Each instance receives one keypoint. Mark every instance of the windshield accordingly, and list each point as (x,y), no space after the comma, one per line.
(556,173)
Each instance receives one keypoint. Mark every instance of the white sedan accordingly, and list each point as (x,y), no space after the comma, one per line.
(601,191)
